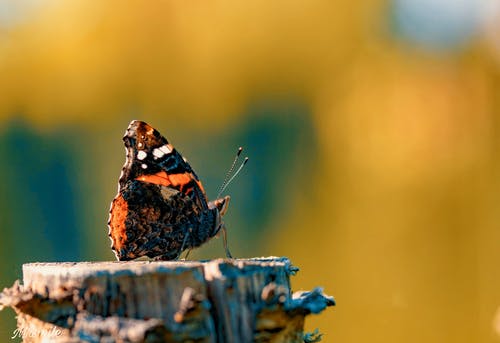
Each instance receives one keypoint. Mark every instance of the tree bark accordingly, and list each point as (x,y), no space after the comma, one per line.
(232,300)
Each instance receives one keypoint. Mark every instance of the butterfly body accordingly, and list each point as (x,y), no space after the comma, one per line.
(161,208)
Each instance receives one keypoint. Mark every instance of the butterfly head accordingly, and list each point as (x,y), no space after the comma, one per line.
(220,204)
(220,207)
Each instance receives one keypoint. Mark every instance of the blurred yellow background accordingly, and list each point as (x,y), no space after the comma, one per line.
(373,131)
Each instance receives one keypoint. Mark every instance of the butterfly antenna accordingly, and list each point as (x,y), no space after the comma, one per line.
(228,174)
(227,179)
(232,177)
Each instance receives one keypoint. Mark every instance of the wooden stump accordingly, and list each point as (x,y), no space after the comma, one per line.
(240,300)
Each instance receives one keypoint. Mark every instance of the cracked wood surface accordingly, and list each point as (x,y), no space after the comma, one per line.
(223,300)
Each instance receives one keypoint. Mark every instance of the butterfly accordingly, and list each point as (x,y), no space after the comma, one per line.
(161,208)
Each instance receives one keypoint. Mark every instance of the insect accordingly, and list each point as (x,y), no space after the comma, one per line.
(161,208)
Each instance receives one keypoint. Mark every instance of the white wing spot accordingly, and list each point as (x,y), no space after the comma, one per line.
(163,150)
(144,166)
(141,155)
(139,145)
(167,149)
(158,153)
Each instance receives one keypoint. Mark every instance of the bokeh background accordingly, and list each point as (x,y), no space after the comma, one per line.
(372,127)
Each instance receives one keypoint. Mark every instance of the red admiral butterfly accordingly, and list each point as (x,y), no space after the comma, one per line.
(161,208)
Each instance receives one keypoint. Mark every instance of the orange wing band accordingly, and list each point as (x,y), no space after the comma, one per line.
(162,178)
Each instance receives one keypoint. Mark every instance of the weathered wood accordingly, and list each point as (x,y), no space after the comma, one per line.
(240,300)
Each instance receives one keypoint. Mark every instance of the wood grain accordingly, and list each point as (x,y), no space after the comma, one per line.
(223,300)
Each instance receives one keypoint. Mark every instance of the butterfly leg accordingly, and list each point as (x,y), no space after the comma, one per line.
(224,237)
(183,246)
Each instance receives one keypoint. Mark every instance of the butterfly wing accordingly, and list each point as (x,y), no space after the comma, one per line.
(161,207)
(156,221)
(152,159)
